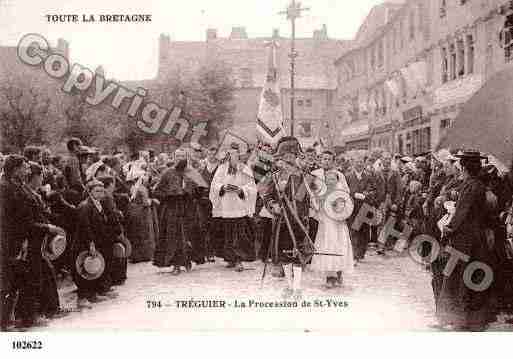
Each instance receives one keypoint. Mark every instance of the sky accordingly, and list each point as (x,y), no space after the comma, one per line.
(129,51)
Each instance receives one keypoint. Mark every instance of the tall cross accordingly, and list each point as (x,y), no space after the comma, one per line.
(272,74)
(293,12)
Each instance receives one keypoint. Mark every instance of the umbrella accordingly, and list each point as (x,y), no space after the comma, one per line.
(486,121)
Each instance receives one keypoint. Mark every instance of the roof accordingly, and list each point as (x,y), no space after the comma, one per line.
(248,59)
(378,16)
(375,24)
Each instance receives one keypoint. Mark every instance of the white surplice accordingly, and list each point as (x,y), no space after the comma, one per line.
(231,205)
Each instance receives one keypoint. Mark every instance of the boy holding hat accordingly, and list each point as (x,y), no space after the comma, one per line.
(93,238)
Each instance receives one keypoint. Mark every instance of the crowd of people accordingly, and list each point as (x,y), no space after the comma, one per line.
(87,215)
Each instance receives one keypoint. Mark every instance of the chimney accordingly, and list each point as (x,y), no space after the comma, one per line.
(164,45)
(321,34)
(276,33)
(211,34)
(100,71)
(63,47)
(238,33)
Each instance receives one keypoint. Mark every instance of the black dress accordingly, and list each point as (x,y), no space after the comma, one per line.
(458,303)
(179,241)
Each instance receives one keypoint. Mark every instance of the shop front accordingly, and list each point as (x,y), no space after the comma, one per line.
(382,137)
(358,143)
(413,136)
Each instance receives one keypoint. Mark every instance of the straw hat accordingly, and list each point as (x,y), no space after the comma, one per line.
(90,267)
(53,247)
(470,154)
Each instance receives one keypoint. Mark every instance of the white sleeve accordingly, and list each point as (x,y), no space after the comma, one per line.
(249,189)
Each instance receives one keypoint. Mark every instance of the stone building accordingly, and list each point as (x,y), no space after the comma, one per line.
(402,85)
(248,60)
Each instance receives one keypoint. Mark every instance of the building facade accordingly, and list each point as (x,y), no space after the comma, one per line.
(403,85)
(248,60)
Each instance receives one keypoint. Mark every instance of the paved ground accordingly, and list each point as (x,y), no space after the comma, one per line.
(384,294)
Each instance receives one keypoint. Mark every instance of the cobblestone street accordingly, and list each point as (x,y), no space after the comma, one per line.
(391,293)
(383,294)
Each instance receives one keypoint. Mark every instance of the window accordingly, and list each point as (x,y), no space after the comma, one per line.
(246,77)
(426,139)
(309,102)
(470,54)
(463,2)
(452,64)
(507,38)
(305,129)
(461,57)
(300,102)
(401,28)
(412,25)
(445,123)
(372,59)
(443,8)
(380,53)
(445,65)
(394,40)
(354,112)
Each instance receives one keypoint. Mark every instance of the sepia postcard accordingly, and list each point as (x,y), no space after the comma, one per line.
(281,166)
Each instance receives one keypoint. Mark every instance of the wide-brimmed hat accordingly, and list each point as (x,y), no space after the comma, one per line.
(288,144)
(406,159)
(470,154)
(85,150)
(196,146)
(53,246)
(90,267)
(444,155)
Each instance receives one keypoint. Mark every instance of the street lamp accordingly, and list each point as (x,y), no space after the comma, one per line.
(293,12)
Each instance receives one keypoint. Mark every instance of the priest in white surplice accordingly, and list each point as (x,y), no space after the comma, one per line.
(233,195)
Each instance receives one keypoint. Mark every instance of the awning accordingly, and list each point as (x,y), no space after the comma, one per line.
(486,121)
(457,91)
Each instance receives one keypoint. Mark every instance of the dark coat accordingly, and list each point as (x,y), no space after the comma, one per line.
(367,186)
(459,304)
(24,216)
(142,226)
(388,186)
(73,174)
(94,227)
(118,266)
(179,241)
(296,193)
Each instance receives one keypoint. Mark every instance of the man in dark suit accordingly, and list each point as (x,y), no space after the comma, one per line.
(388,187)
(363,190)
(22,233)
(72,172)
